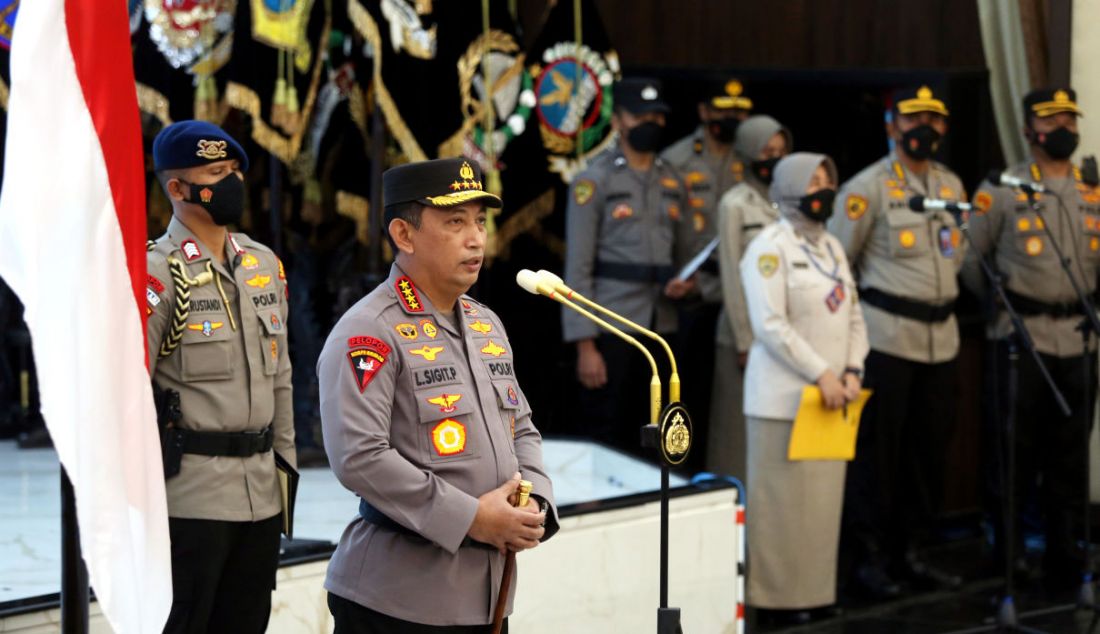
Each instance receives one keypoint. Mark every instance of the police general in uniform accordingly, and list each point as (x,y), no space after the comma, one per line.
(709,167)
(424,419)
(624,233)
(1051,452)
(743,212)
(906,263)
(216,335)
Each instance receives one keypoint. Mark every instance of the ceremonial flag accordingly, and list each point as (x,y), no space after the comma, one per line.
(72,247)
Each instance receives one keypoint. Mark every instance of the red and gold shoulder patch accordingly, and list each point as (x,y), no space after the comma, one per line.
(855,206)
(367,356)
(583,190)
(449,437)
(409,297)
(190,250)
(983,201)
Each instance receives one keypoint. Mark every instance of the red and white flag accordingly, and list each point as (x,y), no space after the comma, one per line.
(72,247)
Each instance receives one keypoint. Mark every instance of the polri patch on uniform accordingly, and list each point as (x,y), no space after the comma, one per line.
(583,191)
(190,250)
(365,364)
(407,330)
(409,297)
(155,284)
(855,206)
(481,327)
(622,210)
(428,326)
(428,353)
(446,402)
(250,261)
(767,264)
(492,349)
(449,437)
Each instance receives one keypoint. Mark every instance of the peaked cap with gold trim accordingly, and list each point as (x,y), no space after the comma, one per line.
(1045,102)
(439,183)
(190,143)
(728,95)
(915,100)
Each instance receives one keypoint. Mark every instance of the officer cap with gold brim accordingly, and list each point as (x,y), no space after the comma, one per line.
(728,95)
(440,183)
(917,100)
(1045,102)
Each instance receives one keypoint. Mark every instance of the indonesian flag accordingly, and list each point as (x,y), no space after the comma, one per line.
(72,246)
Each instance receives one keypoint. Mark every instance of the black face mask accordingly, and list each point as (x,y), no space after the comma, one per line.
(764,170)
(223,200)
(818,206)
(1059,144)
(921,142)
(645,137)
(723,130)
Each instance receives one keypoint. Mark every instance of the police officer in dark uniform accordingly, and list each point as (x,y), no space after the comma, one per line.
(216,335)
(1051,453)
(624,234)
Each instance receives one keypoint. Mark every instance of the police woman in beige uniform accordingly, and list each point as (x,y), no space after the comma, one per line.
(217,335)
(808,329)
(743,212)
(424,419)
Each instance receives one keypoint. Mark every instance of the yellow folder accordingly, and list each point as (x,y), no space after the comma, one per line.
(825,434)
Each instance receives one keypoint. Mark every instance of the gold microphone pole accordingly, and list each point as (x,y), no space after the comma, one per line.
(558,285)
(533,283)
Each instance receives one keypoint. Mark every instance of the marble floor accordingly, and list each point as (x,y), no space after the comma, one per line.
(30,529)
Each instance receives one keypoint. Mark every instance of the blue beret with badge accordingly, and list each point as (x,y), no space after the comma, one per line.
(192,143)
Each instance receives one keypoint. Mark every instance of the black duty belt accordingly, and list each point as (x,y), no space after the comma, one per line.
(929,313)
(372,515)
(1031,307)
(241,444)
(634,272)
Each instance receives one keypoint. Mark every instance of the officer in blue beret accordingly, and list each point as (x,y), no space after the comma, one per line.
(216,336)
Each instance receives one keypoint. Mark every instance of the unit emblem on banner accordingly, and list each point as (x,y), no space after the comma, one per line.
(192,34)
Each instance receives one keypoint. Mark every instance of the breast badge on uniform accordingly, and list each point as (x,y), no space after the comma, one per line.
(428,326)
(449,437)
(190,250)
(493,349)
(481,327)
(367,356)
(670,183)
(674,212)
(409,297)
(1033,246)
(250,262)
(767,264)
(583,191)
(897,194)
(622,210)
(428,353)
(947,193)
(152,297)
(698,221)
(156,285)
(855,206)
(513,398)
(906,238)
(1094,244)
(274,350)
(275,323)
(446,402)
(258,281)
(207,327)
(408,331)
(982,202)
(468,309)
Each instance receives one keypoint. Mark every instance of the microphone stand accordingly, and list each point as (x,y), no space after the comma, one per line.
(1086,598)
(1006,619)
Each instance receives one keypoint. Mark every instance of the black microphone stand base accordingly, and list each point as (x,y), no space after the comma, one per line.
(668,621)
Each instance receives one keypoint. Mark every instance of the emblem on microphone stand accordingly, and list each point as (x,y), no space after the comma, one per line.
(675,434)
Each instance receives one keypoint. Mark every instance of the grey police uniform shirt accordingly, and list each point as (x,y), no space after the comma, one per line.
(621,216)
(707,178)
(743,212)
(1012,236)
(908,254)
(423,413)
(232,372)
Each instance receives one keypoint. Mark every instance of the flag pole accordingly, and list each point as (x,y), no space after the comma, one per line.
(74,574)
